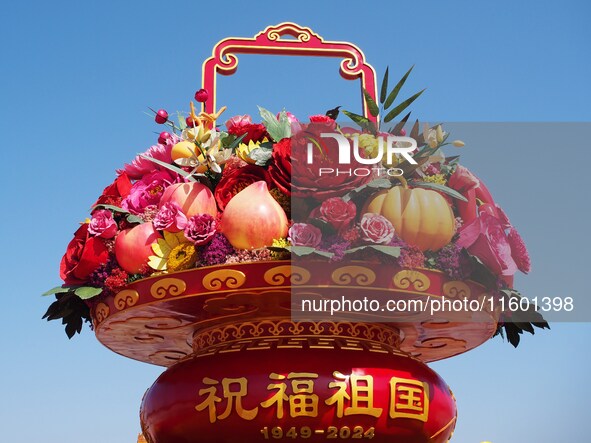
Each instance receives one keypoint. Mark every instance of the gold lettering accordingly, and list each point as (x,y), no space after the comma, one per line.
(409,399)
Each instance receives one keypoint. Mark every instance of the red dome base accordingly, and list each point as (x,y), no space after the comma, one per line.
(299,394)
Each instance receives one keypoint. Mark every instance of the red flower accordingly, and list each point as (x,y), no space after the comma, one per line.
(83,256)
(115,192)
(240,125)
(324,177)
(235,180)
(519,251)
(323,120)
(462,180)
(338,212)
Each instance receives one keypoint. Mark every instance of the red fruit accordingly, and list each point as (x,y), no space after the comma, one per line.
(402,132)
(161,116)
(134,246)
(163,137)
(193,198)
(202,95)
(191,122)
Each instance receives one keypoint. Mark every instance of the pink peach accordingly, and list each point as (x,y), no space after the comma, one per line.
(193,198)
(134,245)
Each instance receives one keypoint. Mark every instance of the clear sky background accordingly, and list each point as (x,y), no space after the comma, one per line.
(76,78)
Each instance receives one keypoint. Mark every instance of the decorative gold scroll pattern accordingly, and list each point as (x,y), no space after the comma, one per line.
(230,278)
(168,287)
(358,275)
(304,332)
(456,289)
(126,299)
(101,312)
(405,278)
(279,274)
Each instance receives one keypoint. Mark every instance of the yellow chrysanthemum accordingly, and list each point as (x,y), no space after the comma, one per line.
(173,253)
(280,243)
(369,143)
(243,150)
(435,178)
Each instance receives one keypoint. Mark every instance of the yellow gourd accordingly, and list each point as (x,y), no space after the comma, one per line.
(421,217)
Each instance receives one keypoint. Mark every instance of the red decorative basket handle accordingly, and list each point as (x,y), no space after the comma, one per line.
(271,42)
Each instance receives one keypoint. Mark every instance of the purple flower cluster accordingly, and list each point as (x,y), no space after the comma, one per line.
(449,260)
(216,252)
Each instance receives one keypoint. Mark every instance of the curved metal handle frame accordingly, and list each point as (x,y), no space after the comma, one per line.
(271,42)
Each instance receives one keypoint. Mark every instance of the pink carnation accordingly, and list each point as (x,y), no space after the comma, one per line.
(102,224)
(519,251)
(170,218)
(201,229)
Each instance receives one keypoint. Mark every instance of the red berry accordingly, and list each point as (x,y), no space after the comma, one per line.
(163,137)
(202,95)
(161,116)
(402,132)
(191,123)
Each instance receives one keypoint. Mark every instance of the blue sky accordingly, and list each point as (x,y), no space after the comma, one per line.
(78,76)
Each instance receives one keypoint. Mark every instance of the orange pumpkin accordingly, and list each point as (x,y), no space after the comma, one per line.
(421,217)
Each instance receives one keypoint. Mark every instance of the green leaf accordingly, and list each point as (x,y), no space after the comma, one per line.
(401,107)
(135,219)
(392,96)
(392,251)
(437,187)
(396,129)
(362,121)
(371,103)
(384,90)
(86,292)
(56,290)
(182,121)
(170,167)
(110,207)
(236,142)
(278,129)
(378,183)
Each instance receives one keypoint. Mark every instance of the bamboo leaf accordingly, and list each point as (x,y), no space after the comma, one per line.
(392,96)
(384,90)
(362,121)
(371,103)
(396,129)
(401,107)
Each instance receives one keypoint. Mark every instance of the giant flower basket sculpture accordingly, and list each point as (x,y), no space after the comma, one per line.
(290,300)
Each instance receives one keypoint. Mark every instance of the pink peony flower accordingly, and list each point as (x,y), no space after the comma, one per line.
(304,234)
(519,251)
(338,212)
(485,238)
(462,180)
(238,122)
(376,228)
(102,224)
(140,166)
(201,229)
(148,190)
(170,218)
